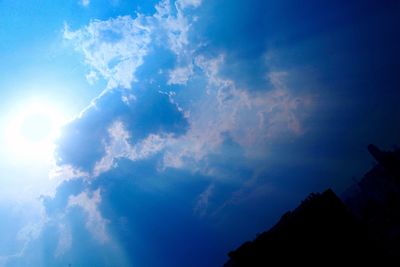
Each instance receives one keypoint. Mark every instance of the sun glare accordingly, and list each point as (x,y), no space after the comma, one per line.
(32,130)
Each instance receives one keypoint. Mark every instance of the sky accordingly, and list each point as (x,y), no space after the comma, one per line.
(167,133)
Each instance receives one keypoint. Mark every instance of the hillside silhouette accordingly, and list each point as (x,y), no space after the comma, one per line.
(360,227)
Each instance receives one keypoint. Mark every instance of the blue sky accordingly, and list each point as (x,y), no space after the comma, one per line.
(188,126)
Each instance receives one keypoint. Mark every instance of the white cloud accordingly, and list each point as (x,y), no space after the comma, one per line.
(64,241)
(85,3)
(288,110)
(251,118)
(188,3)
(180,75)
(203,200)
(128,99)
(95,223)
(92,77)
(58,174)
(30,232)
(114,48)
(175,26)
(66,172)
(119,147)
(36,219)
(147,147)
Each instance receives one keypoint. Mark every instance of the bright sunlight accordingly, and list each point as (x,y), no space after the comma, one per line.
(32,130)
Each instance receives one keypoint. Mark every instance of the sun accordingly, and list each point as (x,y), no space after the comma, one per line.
(32,130)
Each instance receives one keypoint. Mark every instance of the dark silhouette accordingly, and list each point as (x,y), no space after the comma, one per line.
(361,228)
(375,201)
(320,228)
(390,160)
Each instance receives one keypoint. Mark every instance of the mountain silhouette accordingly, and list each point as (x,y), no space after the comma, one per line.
(360,227)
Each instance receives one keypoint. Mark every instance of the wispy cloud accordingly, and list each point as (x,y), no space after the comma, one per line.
(175,26)
(89,202)
(219,106)
(85,3)
(180,75)
(188,3)
(29,232)
(251,118)
(120,147)
(203,200)
(64,241)
(66,172)
(114,48)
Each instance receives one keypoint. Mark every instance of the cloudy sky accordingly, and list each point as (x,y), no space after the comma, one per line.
(166,133)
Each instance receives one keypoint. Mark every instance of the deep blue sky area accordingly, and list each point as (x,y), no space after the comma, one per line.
(172,131)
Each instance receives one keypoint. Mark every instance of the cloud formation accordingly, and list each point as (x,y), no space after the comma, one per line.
(188,3)
(64,241)
(170,129)
(134,126)
(204,118)
(251,118)
(203,200)
(96,224)
(119,146)
(114,48)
